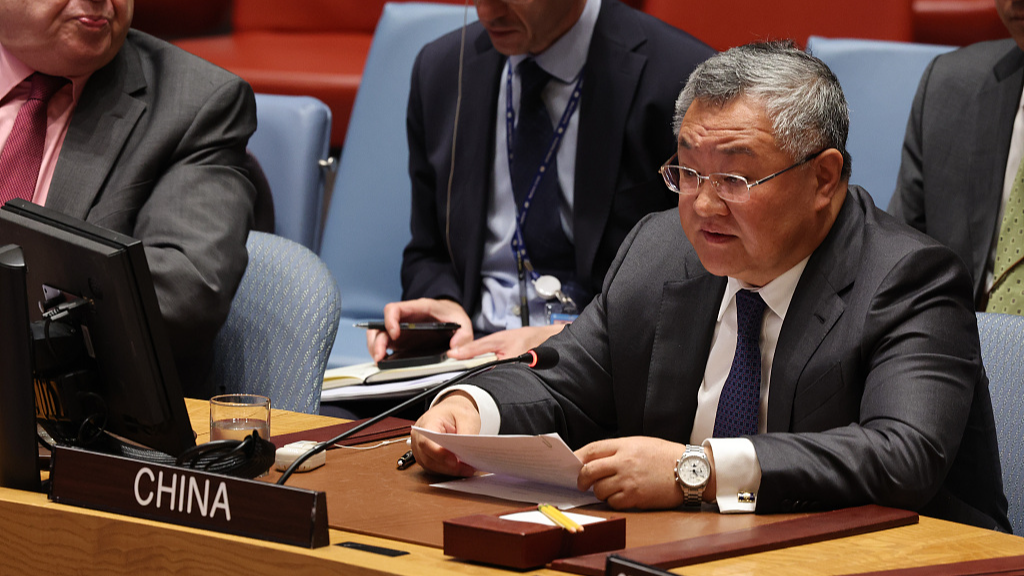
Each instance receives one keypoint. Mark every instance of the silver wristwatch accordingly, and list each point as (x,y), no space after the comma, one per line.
(692,474)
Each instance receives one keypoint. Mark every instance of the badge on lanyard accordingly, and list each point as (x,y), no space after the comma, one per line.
(547,287)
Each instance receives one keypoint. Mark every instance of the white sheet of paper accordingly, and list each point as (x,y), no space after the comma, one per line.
(538,517)
(544,458)
(519,490)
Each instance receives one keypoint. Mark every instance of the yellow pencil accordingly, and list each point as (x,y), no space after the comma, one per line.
(560,519)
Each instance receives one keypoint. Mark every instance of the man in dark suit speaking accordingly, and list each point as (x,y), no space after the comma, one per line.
(139,137)
(560,125)
(789,347)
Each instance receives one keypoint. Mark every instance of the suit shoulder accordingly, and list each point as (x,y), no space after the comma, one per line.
(446,47)
(655,231)
(971,64)
(165,59)
(888,241)
(659,38)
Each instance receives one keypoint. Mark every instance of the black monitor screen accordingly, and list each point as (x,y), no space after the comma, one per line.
(102,357)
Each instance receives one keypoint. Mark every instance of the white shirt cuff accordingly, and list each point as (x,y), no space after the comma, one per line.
(737,474)
(490,418)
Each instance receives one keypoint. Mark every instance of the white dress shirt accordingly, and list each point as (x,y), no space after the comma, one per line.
(564,60)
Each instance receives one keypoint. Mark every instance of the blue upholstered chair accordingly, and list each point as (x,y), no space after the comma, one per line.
(281,327)
(291,144)
(1002,351)
(879,80)
(367,224)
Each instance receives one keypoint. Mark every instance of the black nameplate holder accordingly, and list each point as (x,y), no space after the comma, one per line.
(193,498)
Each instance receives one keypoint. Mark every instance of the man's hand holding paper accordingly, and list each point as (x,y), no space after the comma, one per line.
(544,458)
(524,468)
(456,415)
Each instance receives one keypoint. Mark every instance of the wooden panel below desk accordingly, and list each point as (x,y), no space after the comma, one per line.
(42,537)
(928,543)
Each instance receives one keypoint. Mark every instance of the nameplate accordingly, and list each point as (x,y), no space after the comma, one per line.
(188,497)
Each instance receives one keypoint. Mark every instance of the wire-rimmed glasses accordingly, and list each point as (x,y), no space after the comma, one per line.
(729,187)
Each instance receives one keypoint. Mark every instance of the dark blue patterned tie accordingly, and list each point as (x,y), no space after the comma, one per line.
(741,397)
(546,243)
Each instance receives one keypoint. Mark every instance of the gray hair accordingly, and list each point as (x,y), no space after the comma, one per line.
(801,96)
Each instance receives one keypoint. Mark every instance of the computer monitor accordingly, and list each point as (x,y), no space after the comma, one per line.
(103,358)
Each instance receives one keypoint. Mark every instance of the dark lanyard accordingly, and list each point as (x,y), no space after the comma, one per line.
(518,245)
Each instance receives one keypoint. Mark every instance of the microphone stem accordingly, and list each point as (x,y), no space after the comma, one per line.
(371,421)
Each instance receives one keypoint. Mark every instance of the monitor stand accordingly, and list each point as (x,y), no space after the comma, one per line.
(19,451)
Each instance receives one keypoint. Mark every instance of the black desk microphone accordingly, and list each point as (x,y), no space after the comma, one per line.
(539,358)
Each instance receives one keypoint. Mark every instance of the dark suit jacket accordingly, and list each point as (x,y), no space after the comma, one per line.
(635,69)
(950,183)
(154,150)
(877,389)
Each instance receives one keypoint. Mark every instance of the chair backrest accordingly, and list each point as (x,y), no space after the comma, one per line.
(879,80)
(1002,351)
(291,140)
(281,327)
(367,224)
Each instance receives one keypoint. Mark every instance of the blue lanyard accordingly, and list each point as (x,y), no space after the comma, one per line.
(518,245)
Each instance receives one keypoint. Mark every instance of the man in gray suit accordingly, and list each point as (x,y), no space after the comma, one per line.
(964,143)
(146,140)
(780,277)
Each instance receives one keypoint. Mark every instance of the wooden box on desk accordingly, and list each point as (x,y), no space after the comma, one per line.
(490,539)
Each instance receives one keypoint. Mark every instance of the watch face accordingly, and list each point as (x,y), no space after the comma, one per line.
(694,471)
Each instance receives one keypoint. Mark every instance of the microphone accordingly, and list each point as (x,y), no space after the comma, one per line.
(540,358)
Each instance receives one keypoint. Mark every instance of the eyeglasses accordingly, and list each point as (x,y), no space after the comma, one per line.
(729,187)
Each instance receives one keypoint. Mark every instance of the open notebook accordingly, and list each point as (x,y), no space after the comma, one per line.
(368,373)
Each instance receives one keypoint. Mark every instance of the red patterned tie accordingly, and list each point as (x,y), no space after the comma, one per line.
(23,152)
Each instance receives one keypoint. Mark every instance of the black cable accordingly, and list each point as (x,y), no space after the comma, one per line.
(539,358)
(246,458)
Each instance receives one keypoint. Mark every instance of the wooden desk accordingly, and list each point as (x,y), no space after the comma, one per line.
(41,537)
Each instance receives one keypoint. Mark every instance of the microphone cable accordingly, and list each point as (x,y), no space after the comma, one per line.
(539,358)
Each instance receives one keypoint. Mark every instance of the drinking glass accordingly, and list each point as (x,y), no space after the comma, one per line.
(235,416)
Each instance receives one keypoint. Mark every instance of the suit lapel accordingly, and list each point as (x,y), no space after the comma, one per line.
(100,125)
(613,70)
(474,160)
(997,107)
(682,341)
(815,307)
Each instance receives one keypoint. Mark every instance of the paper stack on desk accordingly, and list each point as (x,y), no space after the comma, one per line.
(523,468)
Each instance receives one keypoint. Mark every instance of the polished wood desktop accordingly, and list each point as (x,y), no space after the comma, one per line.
(42,537)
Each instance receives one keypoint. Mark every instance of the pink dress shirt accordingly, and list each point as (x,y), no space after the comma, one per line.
(14,89)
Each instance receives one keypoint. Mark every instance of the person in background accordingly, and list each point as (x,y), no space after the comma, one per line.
(596,72)
(136,136)
(961,179)
(778,345)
